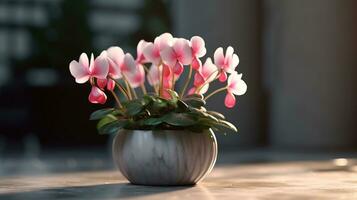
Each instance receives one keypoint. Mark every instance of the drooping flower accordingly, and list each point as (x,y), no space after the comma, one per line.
(204,75)
(198,51)
(177,55)
(235,86)
(226,63)
(97,96)
(109,83)
(83,70)
(151,50)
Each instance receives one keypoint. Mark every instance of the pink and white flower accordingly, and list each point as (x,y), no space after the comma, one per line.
(83,70)
(177,55)
(115,56)
(140,58)
(198,51)
(235,86)
(151,51)
(109,83)
(226,63)
(135,74)
(204,75)
(97,96)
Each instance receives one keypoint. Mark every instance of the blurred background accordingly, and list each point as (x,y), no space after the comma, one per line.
(298,59)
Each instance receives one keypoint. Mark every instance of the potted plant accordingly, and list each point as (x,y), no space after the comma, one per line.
(163,137)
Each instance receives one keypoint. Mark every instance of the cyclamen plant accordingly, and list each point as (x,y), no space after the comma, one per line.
(161,63)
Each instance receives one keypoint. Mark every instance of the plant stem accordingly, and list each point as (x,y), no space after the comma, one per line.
(215,92)
(127,88)
(143,88)
(116,98)
(161,84)
(187,82)
(121,88)
(134,93)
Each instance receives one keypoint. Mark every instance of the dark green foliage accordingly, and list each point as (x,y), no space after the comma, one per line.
(152,112)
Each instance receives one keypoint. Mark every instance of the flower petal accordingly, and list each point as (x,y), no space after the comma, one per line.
(229,100)
(100,69)
(153,75)
(83,60)
(101,83)
(198,79)
(222,76)
(219,57)
(79,72)
(164,40)
(178,69)
(168,56)
(116,54)
(152,53)
(183,51)
(204,89)
(110,85)
(209,70)
(196,63)
(140,58)
(198,46)
(97,96)
(236,85)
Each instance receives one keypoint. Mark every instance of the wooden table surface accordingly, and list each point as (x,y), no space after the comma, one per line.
(319,179)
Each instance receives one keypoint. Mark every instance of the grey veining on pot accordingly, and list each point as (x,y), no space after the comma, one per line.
(164,157)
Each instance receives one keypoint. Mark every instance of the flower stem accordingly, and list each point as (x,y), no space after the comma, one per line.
(127,88)
(215,92)
(187,82)
(143,88)
(121,88)
(116,98)
(134,93)
(161,84)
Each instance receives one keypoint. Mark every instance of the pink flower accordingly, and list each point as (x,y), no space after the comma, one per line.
(83,70)
(226,63)
(204,75)
(153,75)
(151,51)
(115,56)
(198,51)
(177,55)
(109,83)
(97,96)
(140,58)
(235,86)
(134,73)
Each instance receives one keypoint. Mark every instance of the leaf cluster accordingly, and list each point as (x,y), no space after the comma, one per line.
(152,112)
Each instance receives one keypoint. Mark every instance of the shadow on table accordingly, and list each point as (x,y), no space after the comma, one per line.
(105,191)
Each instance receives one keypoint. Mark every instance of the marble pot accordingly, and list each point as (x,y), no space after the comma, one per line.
(164,157)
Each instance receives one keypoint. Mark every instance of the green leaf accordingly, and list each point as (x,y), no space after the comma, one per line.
(173,94)
(225,124)
(134,107)
(153,121)
(181,106)
(195,102)
(179,119)
(216,114)
(198,96)
(106,120)
(112,127)
(98,114)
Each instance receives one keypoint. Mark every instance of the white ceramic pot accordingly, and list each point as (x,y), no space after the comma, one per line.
(164,157)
